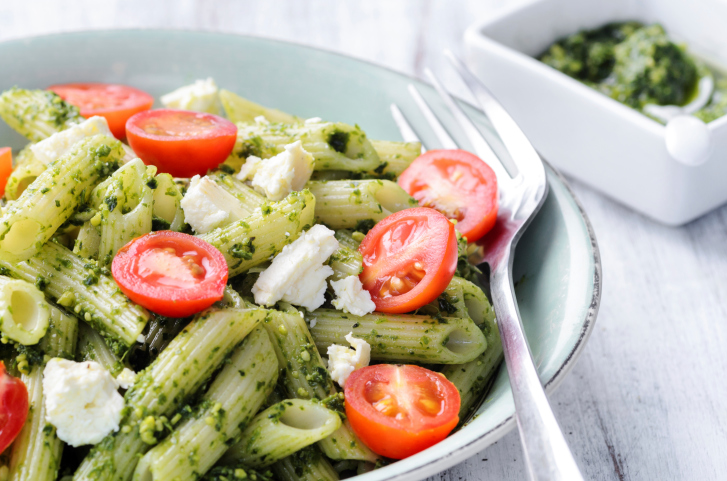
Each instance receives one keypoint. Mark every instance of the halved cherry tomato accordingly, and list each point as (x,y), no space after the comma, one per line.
(116,103)
(6,167)
(408,259)
(398,411)
(13,407)
(458,184)
(181,142)
(170,273)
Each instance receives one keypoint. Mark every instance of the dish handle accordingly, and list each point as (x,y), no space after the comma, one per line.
(688,140)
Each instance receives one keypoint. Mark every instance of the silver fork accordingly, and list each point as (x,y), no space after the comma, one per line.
(522,190)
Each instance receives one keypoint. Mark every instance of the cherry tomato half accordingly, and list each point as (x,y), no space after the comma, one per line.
(408,259)
(398,411)
(6,167)
(458,184)
(181,142)
(116,103)
(170,273)
(13,407)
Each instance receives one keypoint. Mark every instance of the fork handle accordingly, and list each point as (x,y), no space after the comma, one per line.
(547,455)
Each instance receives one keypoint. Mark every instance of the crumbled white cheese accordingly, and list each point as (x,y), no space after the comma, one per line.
(298,274)
(313,120)
(207,206)
(249,168)
(201,96)
(261,120)
(126,378)
(351,297)
(141,338)
(60,143)
(81,401)
(280,175)
(342,361)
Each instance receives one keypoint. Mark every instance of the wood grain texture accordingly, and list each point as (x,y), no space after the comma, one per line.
(648,399)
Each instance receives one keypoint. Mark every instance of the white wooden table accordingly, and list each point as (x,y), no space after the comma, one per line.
(648,399)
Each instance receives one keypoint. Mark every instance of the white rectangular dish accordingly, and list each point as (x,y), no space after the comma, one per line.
(588,135)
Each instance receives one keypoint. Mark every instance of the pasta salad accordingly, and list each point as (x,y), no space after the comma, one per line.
(219,290)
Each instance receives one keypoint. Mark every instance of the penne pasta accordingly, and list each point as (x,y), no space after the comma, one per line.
(234,397)
(36,452)
(227,389)
(281,430)
(52,198)
(401,337)
(346,204)
(164,386)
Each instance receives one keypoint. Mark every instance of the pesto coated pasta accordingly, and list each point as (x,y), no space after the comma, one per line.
(215,324)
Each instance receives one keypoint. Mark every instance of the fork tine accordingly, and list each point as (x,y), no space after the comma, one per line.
(407,132)
(482,148)
(432,120)
(517,144)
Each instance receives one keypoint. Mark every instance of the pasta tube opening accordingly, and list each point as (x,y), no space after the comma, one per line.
(281,430)
(307,416)
(16,239)
(24,314)
(391,197)
(464,341)
(476,309)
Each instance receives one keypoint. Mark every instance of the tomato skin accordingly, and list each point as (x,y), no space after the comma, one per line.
(6,167)
(183,154)
(116,103)
(384,433)
(139,270)
(13,407)
(397,243)
(464,181)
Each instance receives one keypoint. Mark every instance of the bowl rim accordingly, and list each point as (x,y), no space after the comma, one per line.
(451,458)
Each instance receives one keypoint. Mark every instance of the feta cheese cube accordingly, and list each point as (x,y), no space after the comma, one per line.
(278,176)
(60,143)
(342,361)
(126,378)
(207,206)
(298,275)
(81,401)
(351,297)
(201,96)
(249,168)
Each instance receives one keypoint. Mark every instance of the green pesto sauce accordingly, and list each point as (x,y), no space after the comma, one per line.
(636,65)
(237,473)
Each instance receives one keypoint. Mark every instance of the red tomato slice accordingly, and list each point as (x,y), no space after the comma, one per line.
(170,273)
(408,259)
(13,407)
(458,184)
(398,411)
(116,103)
(6,167)
(180,142)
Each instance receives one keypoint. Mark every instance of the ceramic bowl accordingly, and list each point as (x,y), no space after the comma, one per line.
(557,261)
(588,135)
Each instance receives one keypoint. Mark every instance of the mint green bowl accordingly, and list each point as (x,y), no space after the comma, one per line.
(557,261)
